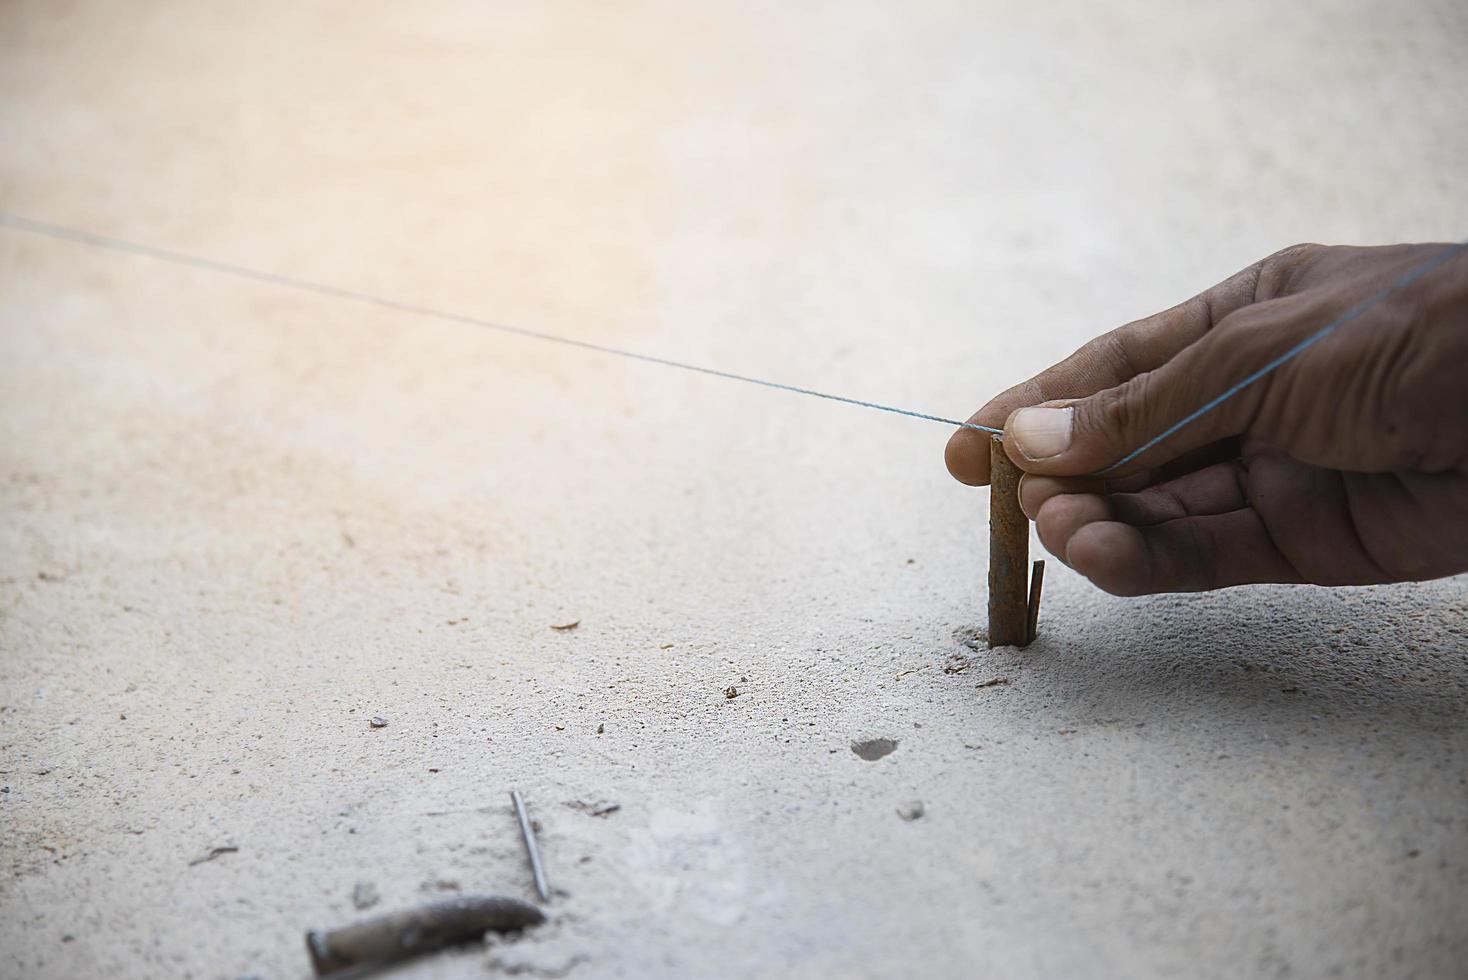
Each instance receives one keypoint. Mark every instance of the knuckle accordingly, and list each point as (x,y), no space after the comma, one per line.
(1120,411)
(1295,252)
(1277,272)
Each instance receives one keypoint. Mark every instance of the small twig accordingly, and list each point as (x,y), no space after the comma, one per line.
(213,853)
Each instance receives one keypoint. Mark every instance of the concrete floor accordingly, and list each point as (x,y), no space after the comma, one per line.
(238,521)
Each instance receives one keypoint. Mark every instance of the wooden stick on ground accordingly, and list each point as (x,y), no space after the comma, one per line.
(1013,608)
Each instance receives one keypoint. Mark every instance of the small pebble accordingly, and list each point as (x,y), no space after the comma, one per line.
(378,721)
(364,896)
(911,810)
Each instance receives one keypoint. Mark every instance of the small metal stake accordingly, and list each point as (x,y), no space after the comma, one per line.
(1032,619)
(527,832)
(1013,615)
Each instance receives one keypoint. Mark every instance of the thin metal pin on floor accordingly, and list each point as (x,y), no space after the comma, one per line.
(531,848)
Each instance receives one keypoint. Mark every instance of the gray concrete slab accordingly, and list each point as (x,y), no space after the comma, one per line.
(240,521)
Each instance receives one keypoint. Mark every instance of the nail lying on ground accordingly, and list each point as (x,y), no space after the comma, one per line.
(528,830)
(400,935)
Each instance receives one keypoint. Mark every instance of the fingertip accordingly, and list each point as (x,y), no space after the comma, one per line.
(1064,515)
(1112,555)
(1035,489)
(967,457)
(1032,495)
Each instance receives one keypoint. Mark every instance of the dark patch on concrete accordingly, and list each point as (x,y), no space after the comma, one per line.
(872,749)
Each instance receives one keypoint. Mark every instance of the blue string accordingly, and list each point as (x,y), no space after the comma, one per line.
(1290,354)
(290,282)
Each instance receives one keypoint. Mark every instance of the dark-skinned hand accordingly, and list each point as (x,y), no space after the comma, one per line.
(1346,466)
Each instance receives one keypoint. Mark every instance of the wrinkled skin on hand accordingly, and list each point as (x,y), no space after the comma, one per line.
(1346,466)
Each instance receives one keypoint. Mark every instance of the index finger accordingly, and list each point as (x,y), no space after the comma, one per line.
(1105,362)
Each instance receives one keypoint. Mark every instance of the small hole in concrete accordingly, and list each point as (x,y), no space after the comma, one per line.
(872,749)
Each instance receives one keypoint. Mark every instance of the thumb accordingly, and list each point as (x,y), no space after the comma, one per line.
(1105,431)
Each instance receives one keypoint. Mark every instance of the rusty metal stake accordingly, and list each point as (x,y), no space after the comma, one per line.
(1014,611)
(400,935)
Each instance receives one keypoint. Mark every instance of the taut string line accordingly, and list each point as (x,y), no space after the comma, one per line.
(21,223)
(321,289)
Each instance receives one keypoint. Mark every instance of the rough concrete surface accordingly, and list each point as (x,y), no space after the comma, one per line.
(238,522)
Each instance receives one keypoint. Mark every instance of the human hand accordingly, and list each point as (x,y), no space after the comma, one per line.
(1346,465)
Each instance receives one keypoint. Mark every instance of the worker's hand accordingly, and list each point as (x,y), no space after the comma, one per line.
(1347,465)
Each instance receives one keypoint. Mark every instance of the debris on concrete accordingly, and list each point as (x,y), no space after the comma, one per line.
(548,953)
(565,627)
(601,729)
(448,813)
(911,810)
(872,749)
(364,895)
(993,682)
(401,935)
(597,808)
(213,853)
(975,639)
(378,721)
(731,692)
